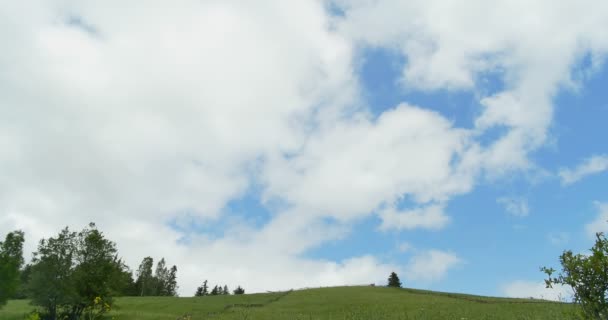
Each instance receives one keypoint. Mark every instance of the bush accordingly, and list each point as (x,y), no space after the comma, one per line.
(587,275)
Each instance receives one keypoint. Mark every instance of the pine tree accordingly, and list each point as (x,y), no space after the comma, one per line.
(199,292)
(239,290)
(203,290)
(393,280)
(214,291)
(226,292)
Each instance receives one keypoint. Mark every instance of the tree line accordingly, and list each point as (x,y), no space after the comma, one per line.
(76,273)
(203,290)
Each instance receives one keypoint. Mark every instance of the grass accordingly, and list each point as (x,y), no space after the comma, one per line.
(338,303)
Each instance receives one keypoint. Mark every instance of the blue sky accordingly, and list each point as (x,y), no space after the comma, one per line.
(312,144)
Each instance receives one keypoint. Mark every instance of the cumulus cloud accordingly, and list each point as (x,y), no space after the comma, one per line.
(600,223)
(456,46)
(592,165)
(429,217)
(537,290)
(134,116)
(431,265)
(515,206)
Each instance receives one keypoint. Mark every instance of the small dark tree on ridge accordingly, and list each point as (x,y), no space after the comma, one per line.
(239,290)
(393,280)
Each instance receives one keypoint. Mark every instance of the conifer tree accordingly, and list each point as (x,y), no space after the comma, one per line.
(393,280)
(226,292)
(239,290)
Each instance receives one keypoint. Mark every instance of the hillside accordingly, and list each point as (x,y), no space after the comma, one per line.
(327,303)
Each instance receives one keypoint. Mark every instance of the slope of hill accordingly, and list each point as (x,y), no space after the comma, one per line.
(327,303)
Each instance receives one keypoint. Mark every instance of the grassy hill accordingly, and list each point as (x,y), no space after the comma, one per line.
(327,303)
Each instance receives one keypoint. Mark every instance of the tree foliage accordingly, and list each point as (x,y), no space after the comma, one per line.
(73,270)
(162,283)
(202,290)
(11,260)
(239,290)
(393,280)
(587,275)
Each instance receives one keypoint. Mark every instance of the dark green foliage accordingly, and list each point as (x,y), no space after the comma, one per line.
(239,290)
(203,290)
(11,260)
(225,291)
(145,281)
(24,277)
(171,283)
(215,291)
(587,275)
(162,283)
(72,271)
(393,280)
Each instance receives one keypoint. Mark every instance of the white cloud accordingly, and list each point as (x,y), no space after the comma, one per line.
(537,290)
(600,223)
(453,46)
(515,206)
(429,217)
(431,265)
(592,165)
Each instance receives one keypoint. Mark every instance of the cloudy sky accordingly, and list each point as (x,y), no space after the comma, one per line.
(289,144)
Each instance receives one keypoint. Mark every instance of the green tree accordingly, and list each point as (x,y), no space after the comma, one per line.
(171,285)
(72,272)
(393,280)
(161,278)
(225,291)
(11,260)
(24,277)
(145,280)
(215,291)
(587,275)
(203,290)
(239,290)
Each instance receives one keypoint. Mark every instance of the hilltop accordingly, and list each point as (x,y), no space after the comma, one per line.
(326,303)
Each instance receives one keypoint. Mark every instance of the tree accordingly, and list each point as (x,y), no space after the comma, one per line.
(171,288)
(161,277)
(215,291)
(393,280)
(202,290)
(587,275)
(225,291)
(11,260)
(239,290)
(145,280)
(73,271)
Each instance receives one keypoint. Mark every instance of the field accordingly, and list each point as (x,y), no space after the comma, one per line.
(326,303)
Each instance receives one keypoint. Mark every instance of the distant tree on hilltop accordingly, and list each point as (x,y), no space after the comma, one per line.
(393,280)
(239,290)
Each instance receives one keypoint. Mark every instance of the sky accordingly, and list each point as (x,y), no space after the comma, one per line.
(278,145)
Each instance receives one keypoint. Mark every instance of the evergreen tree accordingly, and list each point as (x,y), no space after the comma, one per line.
(393,280)
(215,291)
(239,290)
(225,291)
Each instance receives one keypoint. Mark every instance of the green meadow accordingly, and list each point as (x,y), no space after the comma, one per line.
(326,303)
